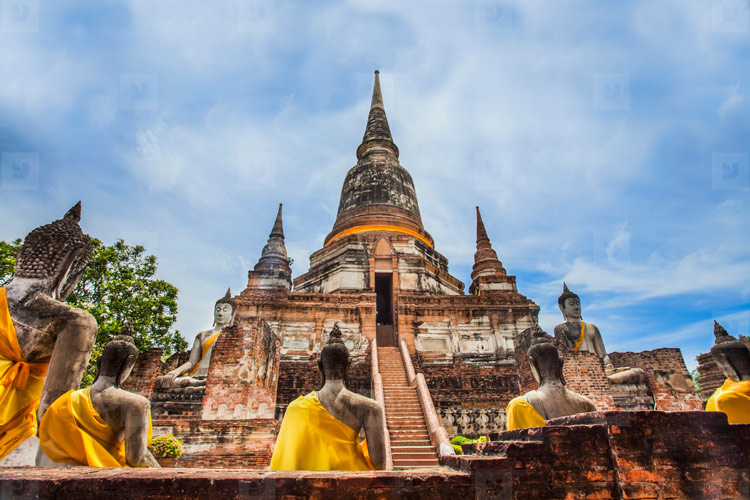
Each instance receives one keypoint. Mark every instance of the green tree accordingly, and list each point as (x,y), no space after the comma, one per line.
(117,287)
(696,375)
(8,253)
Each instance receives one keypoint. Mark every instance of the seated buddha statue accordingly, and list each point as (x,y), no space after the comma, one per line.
(552,399)
(577,335)
(733,358)
(320,430)
(102,425)
(45,344)
(191,375)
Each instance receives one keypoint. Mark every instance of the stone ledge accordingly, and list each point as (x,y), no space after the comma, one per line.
(84,483)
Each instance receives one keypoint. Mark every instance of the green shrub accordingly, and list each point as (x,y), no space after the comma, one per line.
(482,439)
(166,447)
(457,449)
(459,440)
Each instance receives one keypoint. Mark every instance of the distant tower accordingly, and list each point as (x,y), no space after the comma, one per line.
(272,269)
(488,273)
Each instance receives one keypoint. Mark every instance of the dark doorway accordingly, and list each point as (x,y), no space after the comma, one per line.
(384,309)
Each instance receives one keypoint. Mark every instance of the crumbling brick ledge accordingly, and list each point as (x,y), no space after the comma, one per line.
(604,455)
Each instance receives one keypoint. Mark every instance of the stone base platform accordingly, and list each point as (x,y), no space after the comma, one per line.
(84,483)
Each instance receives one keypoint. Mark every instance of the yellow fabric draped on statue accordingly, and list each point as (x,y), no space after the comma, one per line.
(204,349)
(733,398)
(521,415)
(20,386)
(312,439)
(73,433)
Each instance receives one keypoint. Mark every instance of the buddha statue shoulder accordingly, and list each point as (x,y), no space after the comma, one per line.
(732,356)
(192,374)
(320,430)
(552,399)
(103,425)
(45,344)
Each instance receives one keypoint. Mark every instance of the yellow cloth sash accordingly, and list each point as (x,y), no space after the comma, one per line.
(521,415)
(312,439)
(73,433)
(580,339)
(20,386)
(733,398)
(204,349)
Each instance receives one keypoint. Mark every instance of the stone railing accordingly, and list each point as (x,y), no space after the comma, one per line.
(377,393)
(438,436)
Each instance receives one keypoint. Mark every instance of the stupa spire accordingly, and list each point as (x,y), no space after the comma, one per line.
(272,269)
(377,132)
(278,227)
(487,267)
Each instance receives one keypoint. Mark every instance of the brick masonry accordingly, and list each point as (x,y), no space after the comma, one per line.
(616,455)
(607,455)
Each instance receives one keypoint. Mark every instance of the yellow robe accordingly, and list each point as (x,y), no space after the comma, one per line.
(521,415)
(204,349)
(733,398)
(312,439)
(73,433)
(20,386)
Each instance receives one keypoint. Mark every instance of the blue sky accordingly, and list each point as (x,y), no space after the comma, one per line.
(606,144)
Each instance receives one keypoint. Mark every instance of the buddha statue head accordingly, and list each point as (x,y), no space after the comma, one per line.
(334,358)
(55,255)
(544,358)
(118,357)
(570,304)
(731,355)
(225,310)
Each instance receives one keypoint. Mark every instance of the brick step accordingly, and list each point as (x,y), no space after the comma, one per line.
(413,449)
(403,415)
(431,455)
(419,462)
(418,443)
(405,424)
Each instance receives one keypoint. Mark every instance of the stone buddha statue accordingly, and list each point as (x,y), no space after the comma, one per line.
(577,335)
(733,359)
(103,425)
(320,430)
(191,376)
(45,344)
(552,399)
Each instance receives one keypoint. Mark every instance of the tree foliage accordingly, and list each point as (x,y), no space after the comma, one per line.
(118,287)
(8,253)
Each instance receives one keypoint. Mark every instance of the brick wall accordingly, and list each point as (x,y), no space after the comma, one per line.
(243,373)
(668,378)
(711,376)
(144,373)
(616,455)
(300,377)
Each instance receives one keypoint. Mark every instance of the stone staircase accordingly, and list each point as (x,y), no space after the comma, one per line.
(410,441)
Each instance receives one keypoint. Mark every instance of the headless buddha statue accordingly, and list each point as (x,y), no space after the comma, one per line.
(733,358)
(320,430)
(103,425)
(191,376)
(577,335)
(45,344)
(552,399)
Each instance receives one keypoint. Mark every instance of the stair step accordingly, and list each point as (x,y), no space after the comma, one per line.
(418,462)
(412,449)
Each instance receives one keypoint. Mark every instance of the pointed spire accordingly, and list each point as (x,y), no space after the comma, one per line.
(481,231)
(74,213)
(377,133)
(486,264)
(278,227)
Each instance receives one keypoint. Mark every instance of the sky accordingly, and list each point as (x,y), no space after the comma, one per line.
(606,144)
